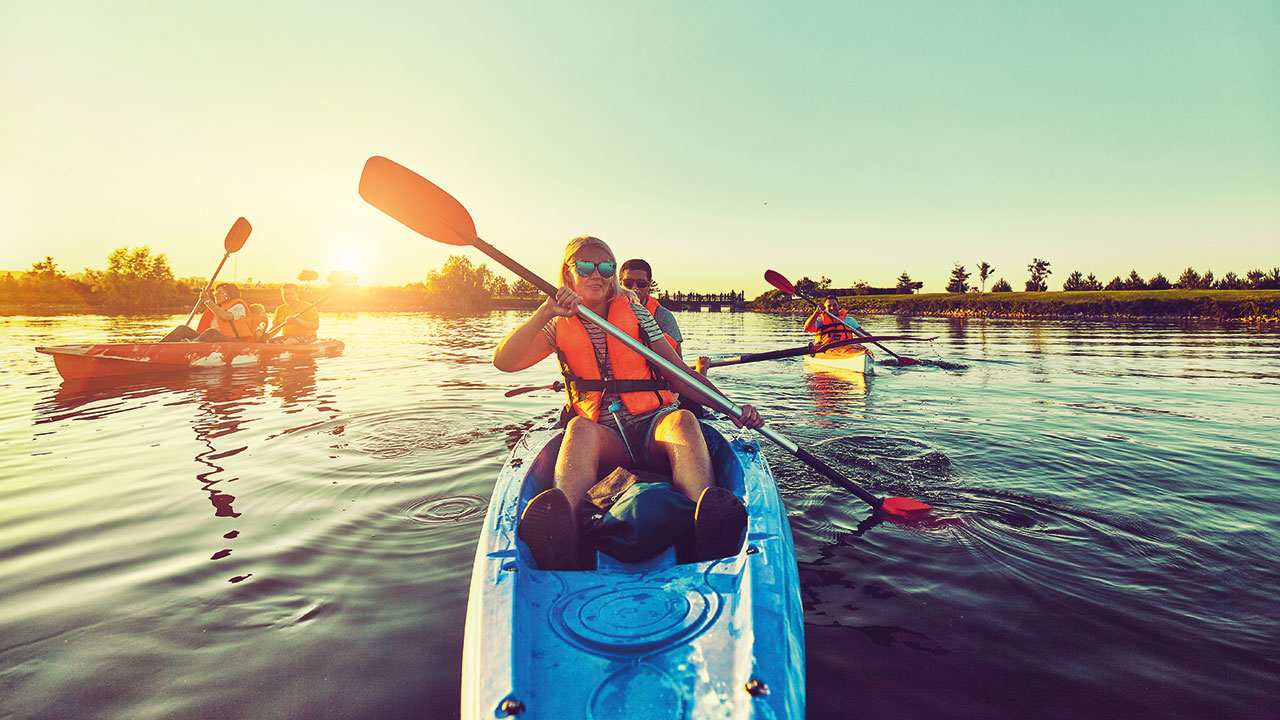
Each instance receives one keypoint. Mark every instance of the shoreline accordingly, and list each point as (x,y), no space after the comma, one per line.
(1244,306)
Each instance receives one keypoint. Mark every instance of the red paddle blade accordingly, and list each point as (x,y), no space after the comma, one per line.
(907,361)
(237,235)
(903,507)
(416,202)
(775,279)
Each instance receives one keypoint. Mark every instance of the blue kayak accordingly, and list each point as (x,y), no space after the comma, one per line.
(656,640)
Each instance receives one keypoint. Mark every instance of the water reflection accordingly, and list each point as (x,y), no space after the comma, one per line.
(220,398)
(836,393)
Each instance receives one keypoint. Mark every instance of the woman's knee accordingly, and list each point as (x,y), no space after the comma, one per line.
(680,425)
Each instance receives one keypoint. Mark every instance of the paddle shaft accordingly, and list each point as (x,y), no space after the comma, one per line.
(720,402)
(208,287)
(314,303)
(806,350)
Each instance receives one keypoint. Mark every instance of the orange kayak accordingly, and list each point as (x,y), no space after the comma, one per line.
(78,362)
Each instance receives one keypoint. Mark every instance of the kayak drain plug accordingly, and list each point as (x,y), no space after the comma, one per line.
(757,688)
(510,707)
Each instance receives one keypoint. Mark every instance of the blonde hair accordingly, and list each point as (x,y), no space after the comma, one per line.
(576,246)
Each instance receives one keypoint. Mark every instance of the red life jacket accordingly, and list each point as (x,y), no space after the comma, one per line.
(829,330)
(633,379)
(241,328)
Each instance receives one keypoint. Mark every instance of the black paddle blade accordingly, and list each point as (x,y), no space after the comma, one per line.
(416,202)
(775,279)
(237,235)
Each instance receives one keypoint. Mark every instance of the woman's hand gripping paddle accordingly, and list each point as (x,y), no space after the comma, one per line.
(777,280)
(235,240)
(430,211)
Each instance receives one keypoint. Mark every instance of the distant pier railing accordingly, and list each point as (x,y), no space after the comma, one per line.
(698,302)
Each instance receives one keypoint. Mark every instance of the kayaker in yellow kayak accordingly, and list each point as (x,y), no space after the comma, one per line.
(829,322)
(624,413)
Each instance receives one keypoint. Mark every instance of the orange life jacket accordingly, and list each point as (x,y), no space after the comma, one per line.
(241,328)
(652,306)
(829,330)
(633,379)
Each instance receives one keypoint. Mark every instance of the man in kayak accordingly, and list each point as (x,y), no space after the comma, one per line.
(298,321)
(230,318)
(624,413)
(829,322)
(637,276)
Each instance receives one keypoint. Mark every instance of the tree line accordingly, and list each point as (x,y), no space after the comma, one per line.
(1190,279)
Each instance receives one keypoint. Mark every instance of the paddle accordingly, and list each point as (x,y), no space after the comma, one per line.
(557,386)
(267,335)
(428,210)
(806,350)
(236,238)
(777,280)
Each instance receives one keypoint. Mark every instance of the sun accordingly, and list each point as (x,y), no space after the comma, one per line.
(350,259)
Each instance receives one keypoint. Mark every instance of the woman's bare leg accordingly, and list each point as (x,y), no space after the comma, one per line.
(587,445)
(678,438)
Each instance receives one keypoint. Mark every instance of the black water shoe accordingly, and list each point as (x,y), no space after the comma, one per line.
(718,524)
(547,526)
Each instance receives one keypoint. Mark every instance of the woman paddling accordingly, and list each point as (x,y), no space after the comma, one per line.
(624,413)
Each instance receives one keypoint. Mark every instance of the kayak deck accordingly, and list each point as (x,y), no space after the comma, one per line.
(654,640)
(852,358)
(79,362)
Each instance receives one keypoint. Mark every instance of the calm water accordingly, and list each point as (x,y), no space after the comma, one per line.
(297,542)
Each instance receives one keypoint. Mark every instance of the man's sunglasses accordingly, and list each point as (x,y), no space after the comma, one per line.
(584,268)
(635,283)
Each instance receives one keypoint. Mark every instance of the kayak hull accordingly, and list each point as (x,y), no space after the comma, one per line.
(655,640)
(81,362)
(851,358)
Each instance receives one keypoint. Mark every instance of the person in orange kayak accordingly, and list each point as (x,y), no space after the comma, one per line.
(230,317)
(829,322)
(258,318)
(298,321)
(623,410)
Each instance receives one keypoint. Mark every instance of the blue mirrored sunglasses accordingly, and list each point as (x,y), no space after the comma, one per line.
(584,268)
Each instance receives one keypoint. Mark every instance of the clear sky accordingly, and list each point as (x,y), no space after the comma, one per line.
(852,140)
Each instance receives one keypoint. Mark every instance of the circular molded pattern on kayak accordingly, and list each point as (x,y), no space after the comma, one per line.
(637,691)
(632,619)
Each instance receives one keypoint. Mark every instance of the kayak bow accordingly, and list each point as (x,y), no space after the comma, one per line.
(656,640)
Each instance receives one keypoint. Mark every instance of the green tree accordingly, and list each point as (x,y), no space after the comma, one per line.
(1039,271)
(1190,280)
(308,277)
(906,285)
(1001,286)
(524,289)
(1134,281)
(984,272)
(1115,284)
(1075,282)
(459,286)
(959,279)
(1158,282)
(135,280)
(1231,281)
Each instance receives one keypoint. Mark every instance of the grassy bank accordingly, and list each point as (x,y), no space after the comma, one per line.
(1240,305)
